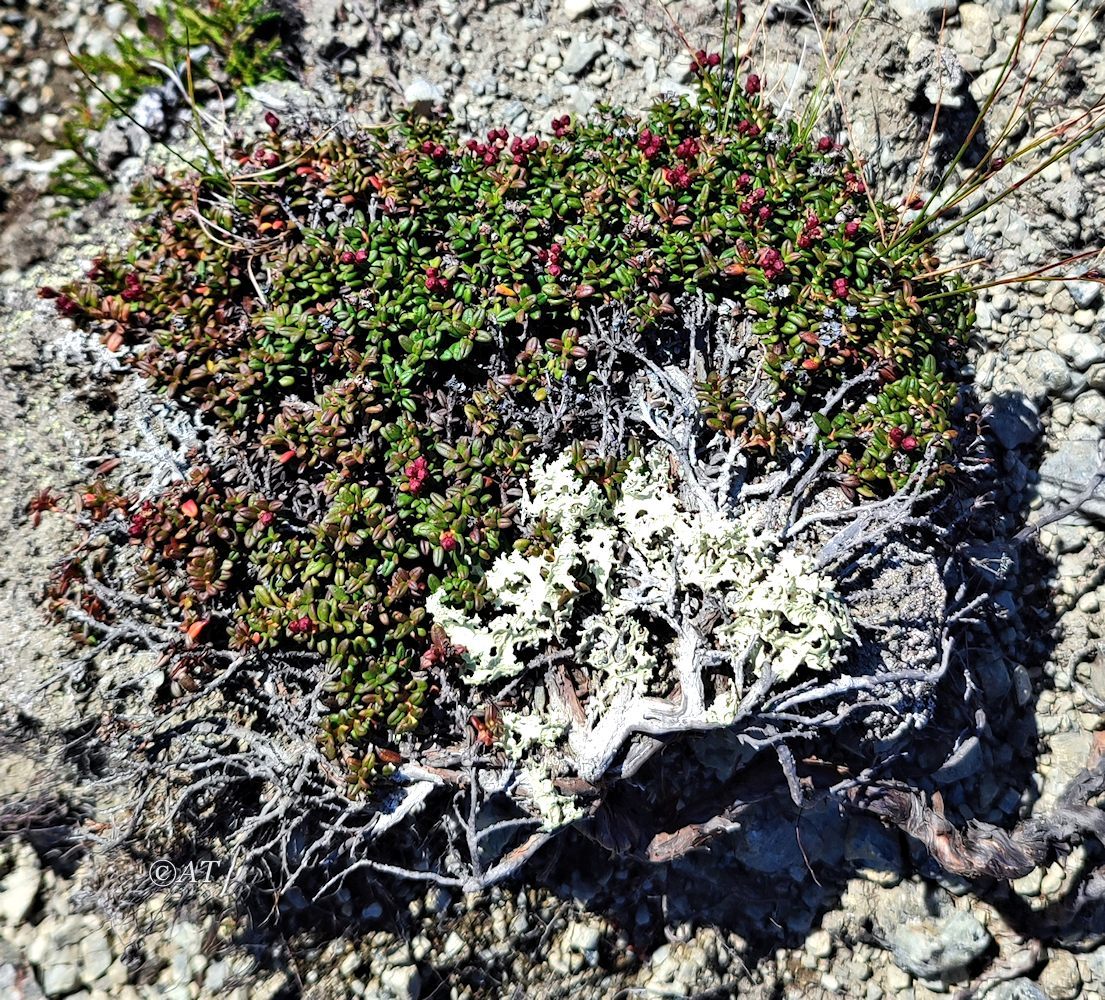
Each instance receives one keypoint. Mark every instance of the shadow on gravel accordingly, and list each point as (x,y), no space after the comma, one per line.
(773,877)
(771,880)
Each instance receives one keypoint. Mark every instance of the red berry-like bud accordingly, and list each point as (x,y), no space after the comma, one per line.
(840,288)
(266,518)
(895,436)
(554,270)
(448,541)
(909,443)
(347,257)
(272,121)
(752,84)
(824,144)
(851,228)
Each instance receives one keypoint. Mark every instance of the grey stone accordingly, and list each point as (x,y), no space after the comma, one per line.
(16,980)
(1017,989)
(455,949)
(70,931)
(422,92)
(935,948)
(873,848)
(1079,348)
(402,981)
(60,978)
(1048,373)
(977,29)
(96,956)
(19,890)
(113,144)
(966,761)
(581,53)
(1090,407)
(1014,420)
(820,944)
(1061,979)
(910,10)
(437,900)
(215,976)
(993,675)
(1067,471)
(1086,294)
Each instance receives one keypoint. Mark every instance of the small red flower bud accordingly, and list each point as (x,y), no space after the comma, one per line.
(752,84)
(909,443)
(895,436)
(824,144)
(851,228)
(417,472)
(301,625)
(840,288)
(347,257)
(554,270)
(266,518)
(448,541)
(361,256)
(66,306)
(272,121)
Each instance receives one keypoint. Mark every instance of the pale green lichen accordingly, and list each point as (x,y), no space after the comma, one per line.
(531,739)
(635,554)
(641,562)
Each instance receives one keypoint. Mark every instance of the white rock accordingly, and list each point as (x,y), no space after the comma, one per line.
(59,978)
(456,949)
(909,10)
(581,53)
(1048,373)
(820,944)
(1085,293)
(403,981)
(19,890)
(977,27)
(1079,348)
(96,957)
(939,948)
(1090,408)
(575,9)
(422,91)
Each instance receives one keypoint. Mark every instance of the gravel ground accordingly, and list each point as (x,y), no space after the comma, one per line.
(820,905)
